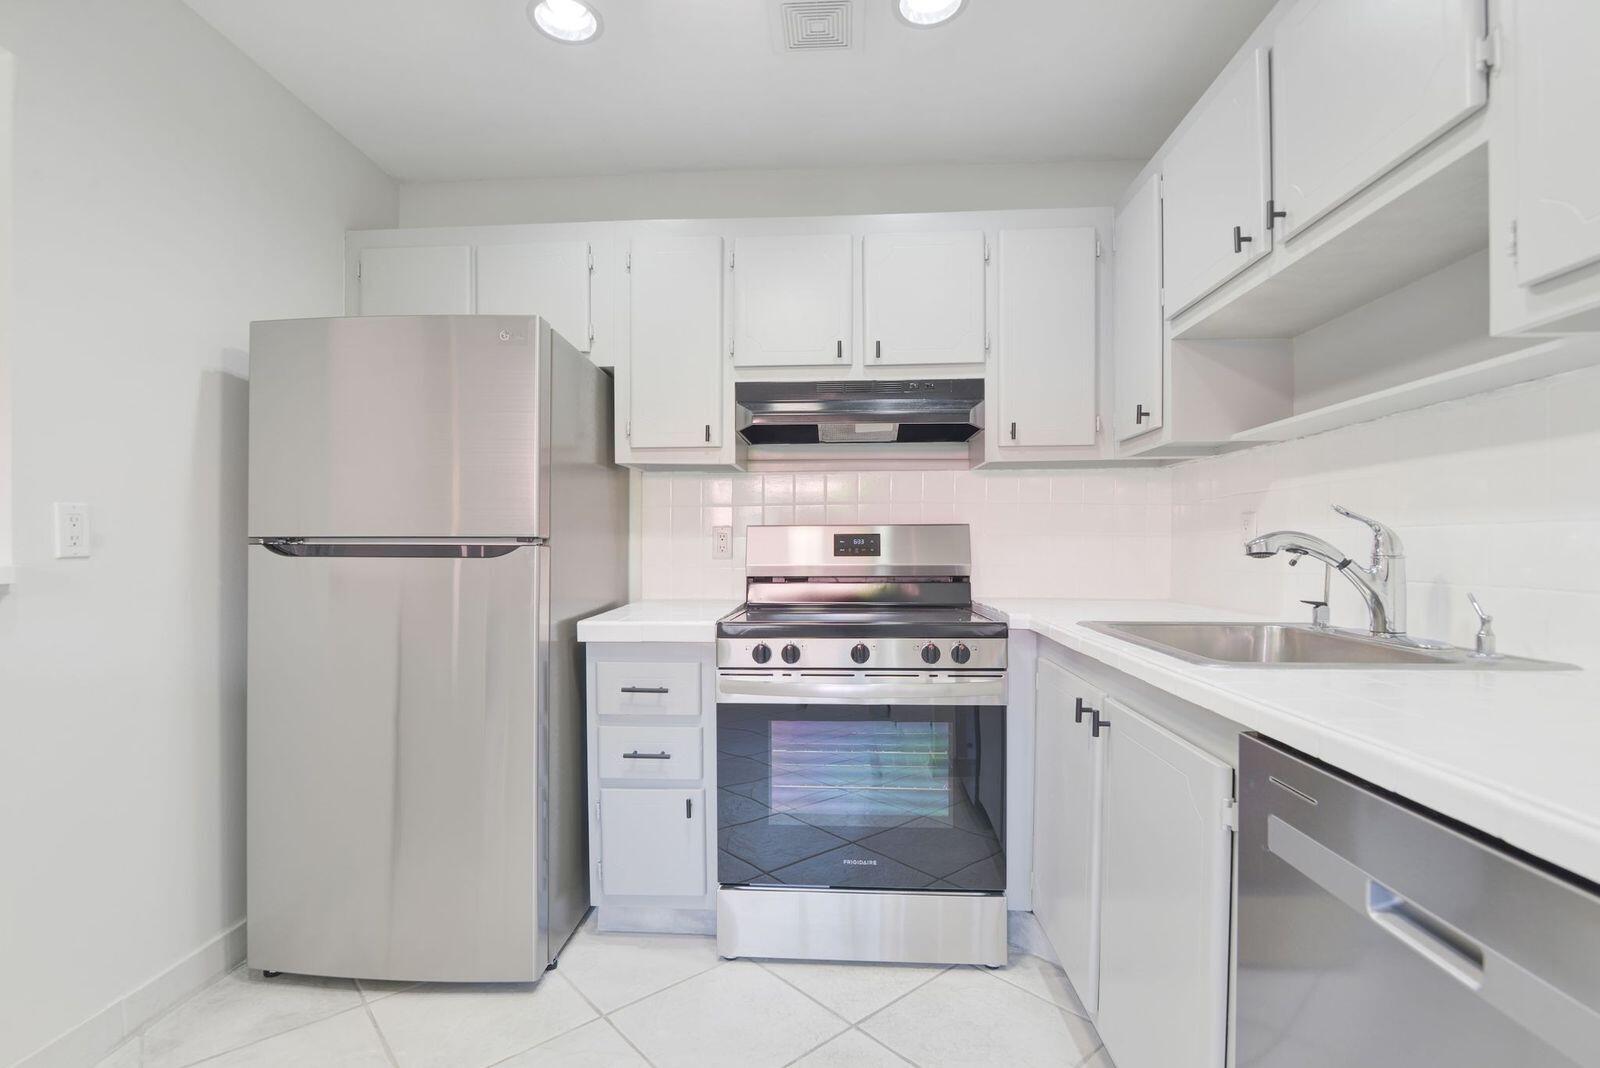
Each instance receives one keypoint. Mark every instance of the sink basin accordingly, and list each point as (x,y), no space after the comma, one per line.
(1299,645)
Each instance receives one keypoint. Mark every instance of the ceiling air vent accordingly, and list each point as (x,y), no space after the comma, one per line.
(813,25)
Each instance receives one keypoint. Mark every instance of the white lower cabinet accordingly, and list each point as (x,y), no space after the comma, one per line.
(1165,891)
(1069,759)
(652,842)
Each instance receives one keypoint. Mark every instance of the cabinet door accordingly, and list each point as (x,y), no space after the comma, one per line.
(1066,850)
(549,279)
(1358,86)
(675,343)
(416,281)
(1214,188)
(652,843)
(1139,344)
(924,298)
(1556,165)
(1164,898)
(792,300)
(1046,369)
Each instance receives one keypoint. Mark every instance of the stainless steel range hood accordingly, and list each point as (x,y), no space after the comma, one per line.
(827,413)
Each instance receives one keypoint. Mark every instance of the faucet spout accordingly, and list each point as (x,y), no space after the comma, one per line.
(1382,584)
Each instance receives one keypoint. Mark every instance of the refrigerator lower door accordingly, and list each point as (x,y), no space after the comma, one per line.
(394,764)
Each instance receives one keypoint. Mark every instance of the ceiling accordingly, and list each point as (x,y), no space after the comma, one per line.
(461,89)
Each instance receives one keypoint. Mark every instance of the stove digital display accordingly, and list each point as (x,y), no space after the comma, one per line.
(857,545)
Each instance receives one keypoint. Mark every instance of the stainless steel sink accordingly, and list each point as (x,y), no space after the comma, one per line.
(1297,645)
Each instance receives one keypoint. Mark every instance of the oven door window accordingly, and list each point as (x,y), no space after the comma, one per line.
(889,797)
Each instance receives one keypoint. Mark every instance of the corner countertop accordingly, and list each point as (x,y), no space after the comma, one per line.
(657,621)
(1509,752)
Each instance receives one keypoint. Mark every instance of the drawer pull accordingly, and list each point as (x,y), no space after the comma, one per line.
(636,755)
(645,689)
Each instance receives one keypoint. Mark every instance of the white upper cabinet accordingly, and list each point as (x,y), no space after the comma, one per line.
(792,299)
(1215,187)
(1165,896)
(1358,86)
(431,280)
(924,297)
(549,279)
(1066,850)
(1556,151)
(1046,362)
(675,343)
(1138,341)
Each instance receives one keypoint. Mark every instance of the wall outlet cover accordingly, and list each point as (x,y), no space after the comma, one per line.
(71,529)
(722,543)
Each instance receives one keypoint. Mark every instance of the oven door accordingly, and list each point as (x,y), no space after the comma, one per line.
(901,789)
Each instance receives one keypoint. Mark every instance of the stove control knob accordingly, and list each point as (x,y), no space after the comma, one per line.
(960,654)
(930,654)
(860,653)
(761,653)
(791,653)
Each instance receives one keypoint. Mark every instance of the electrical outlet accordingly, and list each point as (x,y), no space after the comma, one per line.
(72,530)
(722,543)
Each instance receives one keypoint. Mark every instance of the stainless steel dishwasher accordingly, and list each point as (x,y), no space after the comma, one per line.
(1374,934)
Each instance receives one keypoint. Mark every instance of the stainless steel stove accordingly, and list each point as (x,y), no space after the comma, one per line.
(861,751)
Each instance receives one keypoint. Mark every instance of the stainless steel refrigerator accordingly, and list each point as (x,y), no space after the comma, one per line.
(432,509)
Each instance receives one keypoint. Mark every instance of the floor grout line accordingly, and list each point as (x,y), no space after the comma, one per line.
(993,974)
(762,965)
(890,1004)
(383,1039)
(266,1038)
(606,1016)
(892,1051)
(644,997)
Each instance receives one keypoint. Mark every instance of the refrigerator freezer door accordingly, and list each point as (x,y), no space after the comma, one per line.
(394,764)
(405,426)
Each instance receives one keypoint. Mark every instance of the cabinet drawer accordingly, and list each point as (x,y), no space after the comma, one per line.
(650,753)
(629,688)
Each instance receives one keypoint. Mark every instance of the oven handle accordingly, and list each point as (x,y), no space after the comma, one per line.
(906,691)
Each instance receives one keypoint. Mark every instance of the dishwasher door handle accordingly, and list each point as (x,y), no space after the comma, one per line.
(1560,1019)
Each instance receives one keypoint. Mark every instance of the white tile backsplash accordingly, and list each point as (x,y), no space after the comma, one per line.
(1032,534)
(1497,494)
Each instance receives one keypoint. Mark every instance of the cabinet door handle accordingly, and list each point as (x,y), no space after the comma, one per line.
(1077,713)
(1239,240)
(1274,214)
(708,431)
(688,808)
(1096,724)
(636,755)
(1013,431)
(645,689)
(1139,414)
(838,349)
(877,349)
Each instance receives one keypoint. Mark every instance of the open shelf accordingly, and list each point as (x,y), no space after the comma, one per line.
(1537,361)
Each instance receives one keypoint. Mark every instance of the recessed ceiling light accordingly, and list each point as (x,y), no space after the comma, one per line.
(567,21)
(928,12)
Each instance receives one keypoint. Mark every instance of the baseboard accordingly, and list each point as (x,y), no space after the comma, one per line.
(101,1033)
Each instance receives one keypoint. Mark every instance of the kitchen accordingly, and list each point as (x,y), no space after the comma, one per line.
(1039,377)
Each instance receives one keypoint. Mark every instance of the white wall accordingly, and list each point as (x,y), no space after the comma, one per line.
(750,194)
(167,192)
(1101,533)
(1496,494)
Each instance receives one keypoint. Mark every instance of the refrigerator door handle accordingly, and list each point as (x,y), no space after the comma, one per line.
(401,548)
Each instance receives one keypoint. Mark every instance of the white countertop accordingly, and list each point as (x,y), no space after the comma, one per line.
(657,621)
(1513,753)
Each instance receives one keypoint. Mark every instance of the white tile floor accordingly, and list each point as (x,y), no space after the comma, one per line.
(625,1001)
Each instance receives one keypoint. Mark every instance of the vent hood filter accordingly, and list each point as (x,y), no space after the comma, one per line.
(835,413)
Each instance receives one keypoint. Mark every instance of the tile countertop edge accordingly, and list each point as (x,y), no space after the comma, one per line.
(1537,824)
(657,621)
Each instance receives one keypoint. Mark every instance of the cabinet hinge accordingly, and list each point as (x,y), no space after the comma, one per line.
(732,343)
(1098,252)
(1098,425)
(358,270)
(589,251)
(986,250)
(1161,297)
(1230,814)
(1487,51)
(627,432)
(627,263)
(1511,246)
(732,257)
(986,343)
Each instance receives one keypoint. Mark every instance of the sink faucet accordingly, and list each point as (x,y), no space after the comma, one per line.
(1382,584)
